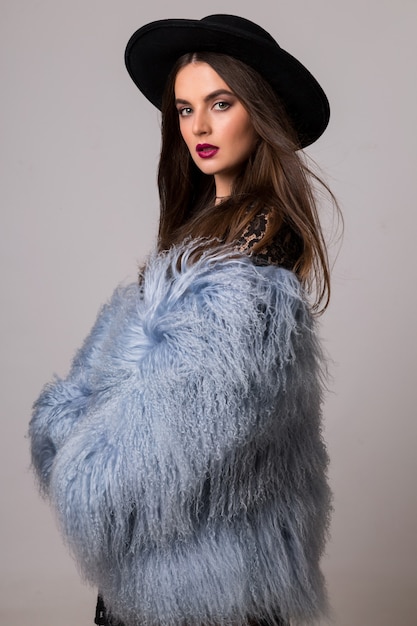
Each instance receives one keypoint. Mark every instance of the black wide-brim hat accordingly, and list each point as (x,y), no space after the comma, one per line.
(153,50)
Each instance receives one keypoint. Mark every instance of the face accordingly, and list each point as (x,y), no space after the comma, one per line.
(213,123)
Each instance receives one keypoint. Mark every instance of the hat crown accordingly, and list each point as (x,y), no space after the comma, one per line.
(236,23)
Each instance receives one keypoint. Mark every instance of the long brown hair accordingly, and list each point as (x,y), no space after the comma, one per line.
(275,177)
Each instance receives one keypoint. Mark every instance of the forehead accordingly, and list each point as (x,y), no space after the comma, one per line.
(198,78)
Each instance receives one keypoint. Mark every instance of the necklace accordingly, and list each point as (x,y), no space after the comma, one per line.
(221,197)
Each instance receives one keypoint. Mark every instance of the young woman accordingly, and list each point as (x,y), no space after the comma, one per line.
(183,452)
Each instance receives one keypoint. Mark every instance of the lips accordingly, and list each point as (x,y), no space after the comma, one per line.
(206,150)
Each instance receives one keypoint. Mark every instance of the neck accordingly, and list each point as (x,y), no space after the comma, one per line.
(223,184)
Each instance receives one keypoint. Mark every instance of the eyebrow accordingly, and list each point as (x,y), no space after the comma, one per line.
(210,96)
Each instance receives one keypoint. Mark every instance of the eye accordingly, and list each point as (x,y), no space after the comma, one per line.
(185,111)
(221,106)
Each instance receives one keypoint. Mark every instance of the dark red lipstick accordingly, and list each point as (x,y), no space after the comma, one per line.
(206,150)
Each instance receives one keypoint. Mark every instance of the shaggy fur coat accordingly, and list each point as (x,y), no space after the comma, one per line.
(183,453)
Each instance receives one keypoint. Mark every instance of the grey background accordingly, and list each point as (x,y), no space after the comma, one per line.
(79,148)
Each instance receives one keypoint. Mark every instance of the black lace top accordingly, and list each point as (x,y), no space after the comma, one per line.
(283,250)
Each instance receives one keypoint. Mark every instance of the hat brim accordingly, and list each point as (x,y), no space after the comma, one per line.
(153,50)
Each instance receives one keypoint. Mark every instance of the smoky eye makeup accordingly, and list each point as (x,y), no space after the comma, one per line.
(184,111)
(222,105)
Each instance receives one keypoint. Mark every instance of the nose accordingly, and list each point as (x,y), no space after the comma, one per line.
(201,125)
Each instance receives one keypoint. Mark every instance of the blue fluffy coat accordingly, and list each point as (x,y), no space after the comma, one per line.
(183,453)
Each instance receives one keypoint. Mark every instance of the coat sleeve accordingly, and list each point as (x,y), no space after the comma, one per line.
(64,402)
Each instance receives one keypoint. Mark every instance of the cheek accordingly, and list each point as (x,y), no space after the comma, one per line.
(189,141)
(186,135)
(244,133)
(247,140)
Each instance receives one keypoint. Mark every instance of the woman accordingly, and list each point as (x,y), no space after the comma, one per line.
(183,453)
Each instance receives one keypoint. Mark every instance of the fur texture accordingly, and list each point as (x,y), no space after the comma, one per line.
(183,453)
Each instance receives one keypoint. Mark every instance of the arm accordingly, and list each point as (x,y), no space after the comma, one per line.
(198,454)
(64,402)
(196,370)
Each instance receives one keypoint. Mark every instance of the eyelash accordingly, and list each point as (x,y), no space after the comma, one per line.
(183,112)
(222,103)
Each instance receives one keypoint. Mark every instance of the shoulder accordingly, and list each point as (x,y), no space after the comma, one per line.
(218,279)
(268,241)
(190,312)
(182,297)
(255,230)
